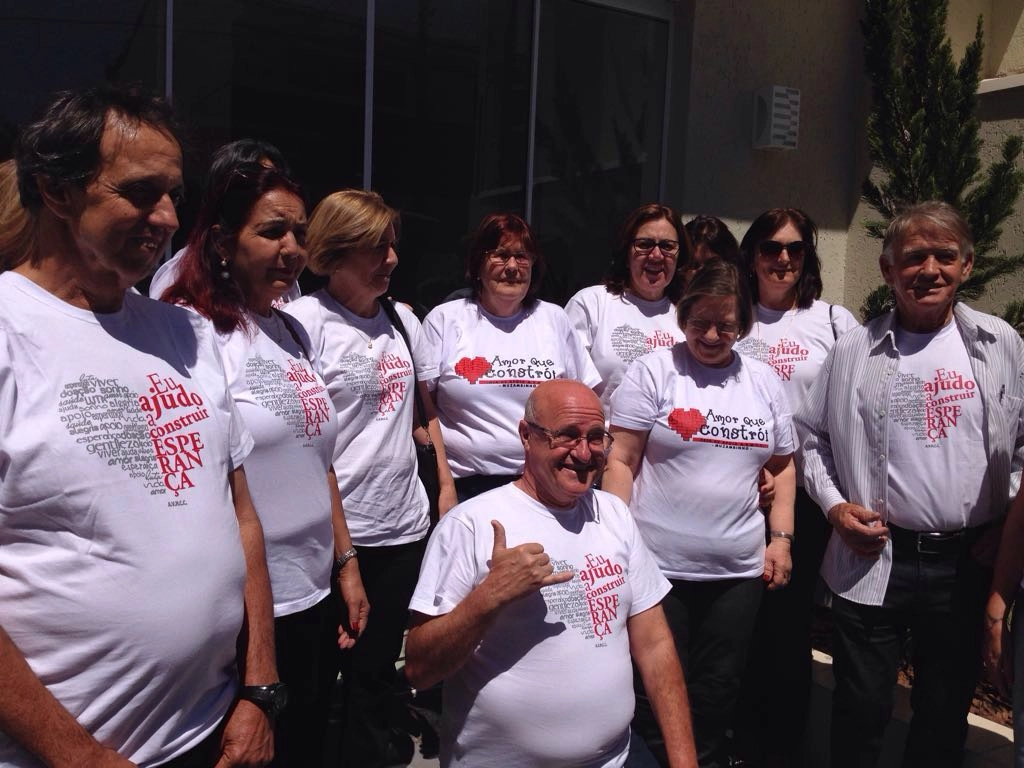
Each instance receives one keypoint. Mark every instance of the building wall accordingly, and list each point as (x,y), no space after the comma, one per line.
(739,46)
(726,50)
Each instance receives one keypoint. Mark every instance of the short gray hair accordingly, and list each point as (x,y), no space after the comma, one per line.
(933,215)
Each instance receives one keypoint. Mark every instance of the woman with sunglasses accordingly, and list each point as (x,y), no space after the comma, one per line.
(493,349)
(693,425)
(793,331)
(244,254)
(633,312)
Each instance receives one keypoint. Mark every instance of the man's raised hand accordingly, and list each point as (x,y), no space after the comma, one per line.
(520,570)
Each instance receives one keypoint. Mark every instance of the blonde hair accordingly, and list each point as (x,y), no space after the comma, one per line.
(345,221)
(17,225)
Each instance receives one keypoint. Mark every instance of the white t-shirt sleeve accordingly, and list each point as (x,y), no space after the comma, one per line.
(842,319)
(635,403)
(582,315)
(785,438)
(578,364)
(423,352)
(240,440)
(433,341)
(448,573)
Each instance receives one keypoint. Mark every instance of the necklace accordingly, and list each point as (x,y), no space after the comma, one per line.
(785,330)
(369,340)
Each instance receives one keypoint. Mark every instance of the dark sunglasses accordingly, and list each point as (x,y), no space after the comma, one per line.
(774,248)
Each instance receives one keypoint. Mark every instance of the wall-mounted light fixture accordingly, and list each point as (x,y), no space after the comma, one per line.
(776,117)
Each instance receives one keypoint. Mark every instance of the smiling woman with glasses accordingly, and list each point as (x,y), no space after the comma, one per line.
(493,349)
(793,332)
(701,421)
(633,312)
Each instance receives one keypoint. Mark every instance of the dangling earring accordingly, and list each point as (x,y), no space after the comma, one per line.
(224,269)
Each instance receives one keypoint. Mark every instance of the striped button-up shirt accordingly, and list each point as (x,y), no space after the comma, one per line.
(844,428)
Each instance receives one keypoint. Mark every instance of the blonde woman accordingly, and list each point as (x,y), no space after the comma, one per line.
(370,373)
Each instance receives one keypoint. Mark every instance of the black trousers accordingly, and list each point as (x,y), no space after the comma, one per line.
(368,673)
(307,646)
(939,600)
(712,622)
(777,685)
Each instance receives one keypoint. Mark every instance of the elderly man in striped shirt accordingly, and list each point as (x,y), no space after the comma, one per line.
(913,442)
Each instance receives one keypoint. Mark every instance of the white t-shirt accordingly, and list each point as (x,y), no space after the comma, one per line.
(795,342)
(122,567)
(487,368)
(550,684)
(616,330)
(936,464)
(710,431)
(285,405)
(168,272)
(369,375)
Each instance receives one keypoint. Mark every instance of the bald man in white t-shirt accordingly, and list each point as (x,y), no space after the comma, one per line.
(531,601)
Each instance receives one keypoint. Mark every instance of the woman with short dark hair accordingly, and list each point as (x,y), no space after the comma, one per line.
(693,426)
(493,349)
(633,312)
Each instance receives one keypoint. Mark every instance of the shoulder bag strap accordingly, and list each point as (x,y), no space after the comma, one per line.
(389,309)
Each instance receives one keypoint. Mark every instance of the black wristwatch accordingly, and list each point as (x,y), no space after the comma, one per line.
(272,698)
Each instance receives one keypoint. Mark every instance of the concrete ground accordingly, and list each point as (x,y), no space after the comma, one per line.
(988,745)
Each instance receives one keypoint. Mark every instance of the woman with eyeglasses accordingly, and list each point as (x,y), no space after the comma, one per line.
(371,373)
(493,349)
(633,312)
(793,331)
(245,252)
(693,425)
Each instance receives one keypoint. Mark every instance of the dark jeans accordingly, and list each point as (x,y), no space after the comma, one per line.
(368,669)
(712,622)
(306,644)
(777,684)
(939,600)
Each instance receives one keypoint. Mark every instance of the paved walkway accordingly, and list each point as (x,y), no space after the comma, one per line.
(988,745)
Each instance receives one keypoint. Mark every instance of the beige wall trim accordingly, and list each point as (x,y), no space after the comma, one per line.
(990,84)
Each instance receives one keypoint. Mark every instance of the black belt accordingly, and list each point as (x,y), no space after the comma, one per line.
(934,543)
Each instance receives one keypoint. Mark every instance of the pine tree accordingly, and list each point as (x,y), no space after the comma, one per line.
(923,134)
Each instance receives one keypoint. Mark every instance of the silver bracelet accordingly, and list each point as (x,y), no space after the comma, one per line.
(344,557)
(783,535)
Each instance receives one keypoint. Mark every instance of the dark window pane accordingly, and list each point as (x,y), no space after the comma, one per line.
(65,44)
(600,111)
(451,106)
(286,71)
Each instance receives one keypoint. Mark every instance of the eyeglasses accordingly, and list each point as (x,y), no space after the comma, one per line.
(597,439)
(723,329)
(644,245)
(773,248)
(501,256)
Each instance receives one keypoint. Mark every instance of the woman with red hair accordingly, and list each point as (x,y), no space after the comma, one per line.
(493,349)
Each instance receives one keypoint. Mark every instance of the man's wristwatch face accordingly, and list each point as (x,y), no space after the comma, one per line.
(270,698)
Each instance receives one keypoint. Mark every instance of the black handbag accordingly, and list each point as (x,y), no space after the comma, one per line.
(426,454)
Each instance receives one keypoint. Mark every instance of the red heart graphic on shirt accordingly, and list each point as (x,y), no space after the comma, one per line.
(687,422)
(472,368)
